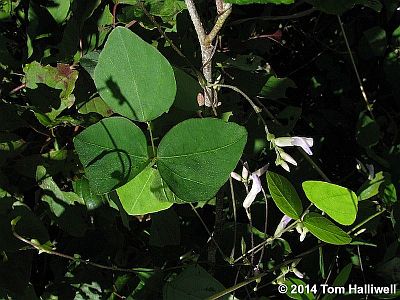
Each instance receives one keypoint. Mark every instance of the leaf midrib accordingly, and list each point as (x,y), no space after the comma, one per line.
(184,178)
(202,152)
(133,75)
(294,211)
(327,208)
(141,192)
(325,230)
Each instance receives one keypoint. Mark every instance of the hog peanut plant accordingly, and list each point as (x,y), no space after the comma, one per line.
(199,149)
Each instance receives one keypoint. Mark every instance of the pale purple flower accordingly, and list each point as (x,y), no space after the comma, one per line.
(256,186)
(255,189)
(283,164)
(236,176)
(282,225)
(286,157)
(297,273)
(303,142)
(302,230)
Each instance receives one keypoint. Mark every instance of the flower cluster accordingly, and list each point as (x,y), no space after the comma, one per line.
(256,187)
(282,158)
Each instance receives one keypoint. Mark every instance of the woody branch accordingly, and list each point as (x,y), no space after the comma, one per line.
(206,43)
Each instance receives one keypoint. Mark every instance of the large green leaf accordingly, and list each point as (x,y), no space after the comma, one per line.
(192,284)
(338,202)
(284,195)
(196,156)
(146,193)
(325,230)
(133,78)
(260,1)
(112,151)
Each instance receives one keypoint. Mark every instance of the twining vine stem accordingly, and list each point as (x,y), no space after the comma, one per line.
(86,262)
(363,93)
(208,231)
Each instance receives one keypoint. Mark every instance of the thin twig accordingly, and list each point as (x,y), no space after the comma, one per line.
(114,14)
(276,18)
(207,230)
(234,217)
(265,226)
(267,241)
(131,23)
(18,88)
(219,23)
(366,220)
(86,262)
(363,93)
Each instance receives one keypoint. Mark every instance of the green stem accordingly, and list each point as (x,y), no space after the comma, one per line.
(366,220)
(86,262)
(151,139)
(234,218)
(267,241)
(314,165)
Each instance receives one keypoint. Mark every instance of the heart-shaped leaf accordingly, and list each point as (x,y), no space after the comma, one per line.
(196,156)
(112,151)
(338,202)
(146,193)
(325,230)
(133,77)
(284,195)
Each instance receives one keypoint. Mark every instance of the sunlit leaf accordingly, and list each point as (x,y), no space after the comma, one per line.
(284,195)
(325,230)
(146,193)
(338,202)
